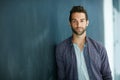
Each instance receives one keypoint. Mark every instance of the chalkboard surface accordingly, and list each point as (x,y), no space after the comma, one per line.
(29,32)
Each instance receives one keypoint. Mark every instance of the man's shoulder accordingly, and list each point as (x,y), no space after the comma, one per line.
(96,47)
(62,46)
(95,43)
(65,42)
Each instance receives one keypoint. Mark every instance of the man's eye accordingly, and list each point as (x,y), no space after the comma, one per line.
(82,20)
(74,21)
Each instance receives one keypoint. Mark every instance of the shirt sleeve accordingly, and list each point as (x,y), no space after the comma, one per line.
(105,67)
(60,63)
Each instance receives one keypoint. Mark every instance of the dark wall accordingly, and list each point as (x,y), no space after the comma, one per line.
(27,40)
(30,30)
(95,15)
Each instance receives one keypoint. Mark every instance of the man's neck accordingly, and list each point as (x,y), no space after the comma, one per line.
(79,40)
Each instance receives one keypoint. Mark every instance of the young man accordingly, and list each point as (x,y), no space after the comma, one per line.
(80,57)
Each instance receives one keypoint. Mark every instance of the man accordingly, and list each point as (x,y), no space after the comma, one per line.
(80,57)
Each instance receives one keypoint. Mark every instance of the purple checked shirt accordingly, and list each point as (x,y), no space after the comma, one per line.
(95,57)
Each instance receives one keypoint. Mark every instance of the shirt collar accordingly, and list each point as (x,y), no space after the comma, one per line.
(71,43)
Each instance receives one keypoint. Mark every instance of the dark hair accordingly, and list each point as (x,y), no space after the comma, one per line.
(78,9)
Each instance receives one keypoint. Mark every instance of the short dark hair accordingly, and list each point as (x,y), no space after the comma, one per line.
(78,9)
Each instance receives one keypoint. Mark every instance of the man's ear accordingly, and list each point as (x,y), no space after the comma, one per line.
(87,22)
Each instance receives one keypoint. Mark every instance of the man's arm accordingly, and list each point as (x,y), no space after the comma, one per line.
(105,67)
(60,64)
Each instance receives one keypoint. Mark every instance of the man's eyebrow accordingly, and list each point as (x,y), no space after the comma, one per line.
(80,19)
(83,19)
(73,19)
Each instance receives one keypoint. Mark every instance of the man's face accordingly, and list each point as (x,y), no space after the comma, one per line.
(78,23)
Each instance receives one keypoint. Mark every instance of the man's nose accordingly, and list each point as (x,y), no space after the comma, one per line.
(78,24)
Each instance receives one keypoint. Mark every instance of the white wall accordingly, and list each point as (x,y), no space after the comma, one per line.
(108,32)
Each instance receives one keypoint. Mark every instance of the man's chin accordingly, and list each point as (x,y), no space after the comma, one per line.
(79,33)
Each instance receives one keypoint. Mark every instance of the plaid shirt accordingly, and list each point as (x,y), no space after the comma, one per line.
(95,57)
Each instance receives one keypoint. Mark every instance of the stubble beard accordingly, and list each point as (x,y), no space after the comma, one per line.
(78,33)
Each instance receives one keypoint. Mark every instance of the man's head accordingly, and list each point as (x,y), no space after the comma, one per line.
(78,20)
(79,9)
